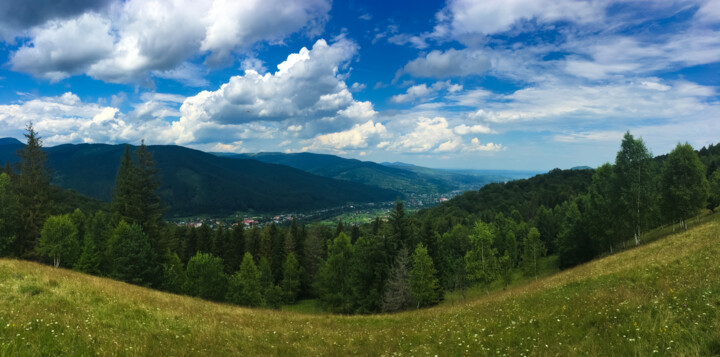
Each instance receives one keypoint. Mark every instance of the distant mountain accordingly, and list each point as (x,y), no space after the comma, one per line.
(195,182)
(10,141)
(406,178)
(581,168)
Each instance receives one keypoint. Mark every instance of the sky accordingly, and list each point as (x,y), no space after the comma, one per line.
(477,84)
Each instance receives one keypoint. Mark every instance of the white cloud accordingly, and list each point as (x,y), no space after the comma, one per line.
(423,92)
(354,138)
(463,129)
(133,38)
(450,63)
(475,145)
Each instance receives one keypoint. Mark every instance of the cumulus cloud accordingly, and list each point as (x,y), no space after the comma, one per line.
(132,38)
(427,135)
(450,63)
(19,15)
(425,92)
(355,138)
(463,129)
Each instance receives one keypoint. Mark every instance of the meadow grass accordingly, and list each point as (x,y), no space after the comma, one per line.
(660,298)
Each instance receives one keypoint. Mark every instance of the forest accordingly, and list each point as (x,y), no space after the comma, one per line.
(404,262)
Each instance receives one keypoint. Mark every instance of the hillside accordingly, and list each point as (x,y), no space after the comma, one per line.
(407,179)
(661,297)
(196,182)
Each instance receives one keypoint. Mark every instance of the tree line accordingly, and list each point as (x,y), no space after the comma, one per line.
(403,262)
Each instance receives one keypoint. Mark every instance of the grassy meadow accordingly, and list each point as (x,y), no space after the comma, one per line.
(661,298)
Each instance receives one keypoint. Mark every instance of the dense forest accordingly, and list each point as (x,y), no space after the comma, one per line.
(404,262)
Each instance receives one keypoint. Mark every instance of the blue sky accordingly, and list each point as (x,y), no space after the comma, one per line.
(480,84)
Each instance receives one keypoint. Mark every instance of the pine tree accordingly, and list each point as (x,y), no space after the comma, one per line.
(58,240)
(9,215)
(90,257)
(397,294)
(32,185)
(424,285)
(235,250)
(126,198)
(147,183)
(333,279)
(244,286)
(132,259)
(369,273)
(684,186)
(292,276)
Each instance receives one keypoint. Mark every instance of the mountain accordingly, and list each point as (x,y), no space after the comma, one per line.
(464,178)
(195,182)
(405,178)
(618,305)
(10,141)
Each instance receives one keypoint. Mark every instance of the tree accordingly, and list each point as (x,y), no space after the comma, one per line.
(684,186)
(481,260)
(424,284)
(126,197)
(715,189)
(132,259)
(397,294)
(369,273)
(400,232)
(147,183)
(206,277)
(90,258)
(601,210)
(8,215)
(633,182)
(244,286)
(292,276)
(505,264)
(173,273)
(272,294)
(33,190)
(333,279)
(235,249)
(534,248)
(58,240)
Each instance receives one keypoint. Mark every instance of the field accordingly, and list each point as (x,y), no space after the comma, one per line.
(661,298)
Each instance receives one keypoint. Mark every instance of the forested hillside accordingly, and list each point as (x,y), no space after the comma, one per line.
(194,182)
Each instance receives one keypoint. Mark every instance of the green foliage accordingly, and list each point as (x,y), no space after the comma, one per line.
(59,241)
(173,273)
(369,273)
(397,296)
(130,256)
(424,285)
(534,248)
(9,218)
(602,210)
(684,186)
(32,185)
(244,286)
(206,277)
(333,281)
(90,258)
(292,276)
(481,259)
(505,265)
(714,196)
(633,184)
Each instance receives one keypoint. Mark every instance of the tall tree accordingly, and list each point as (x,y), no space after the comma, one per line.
(132,259)
(633,182)
(534,248)
(715,189)
(90,258)
(397,294)
(333,279)
(58,240)
(126,198)
(147,183)
(684,185)
(400,232)
(244,286)
(424,284)
(292,277)
(481,259)
(602,208)
(33,189)
(205,277)
(9,215)
(369,273)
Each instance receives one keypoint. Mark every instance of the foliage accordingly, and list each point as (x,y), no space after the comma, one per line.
(59,241)
(397,295)
(534,248)
(8,215)
(333,279)
(244,286)
(422,278)
(205,277)
(90,258)
(292,275)
(481,259)
(633,184)
(685,187)
(130,256)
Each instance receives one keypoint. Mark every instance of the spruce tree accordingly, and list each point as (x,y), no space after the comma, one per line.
(126,201)
(424,284)
(369,273)
(147,183)
(292,277)
(244,286)
(90,257)
(333,279)
(9,216)
(32,185)
(131,257)
(397,295)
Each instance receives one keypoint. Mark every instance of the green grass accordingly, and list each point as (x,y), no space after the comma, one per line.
(661,297)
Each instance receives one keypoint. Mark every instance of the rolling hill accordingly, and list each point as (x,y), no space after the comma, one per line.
(194,182)
(404,178)
(662,297)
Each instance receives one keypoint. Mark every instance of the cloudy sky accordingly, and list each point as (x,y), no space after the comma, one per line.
(497,84)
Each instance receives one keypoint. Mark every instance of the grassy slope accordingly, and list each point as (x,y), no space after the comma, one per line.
(663,296)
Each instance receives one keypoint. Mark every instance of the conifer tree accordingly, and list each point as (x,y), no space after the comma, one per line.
(244,286)
(32,185)
(292,277)
(397,295)
(369,273)
(147,183)
(132,259)
(424,284)
(235,249)
(333,279)
(9,218)
(126,198)
(90,258)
